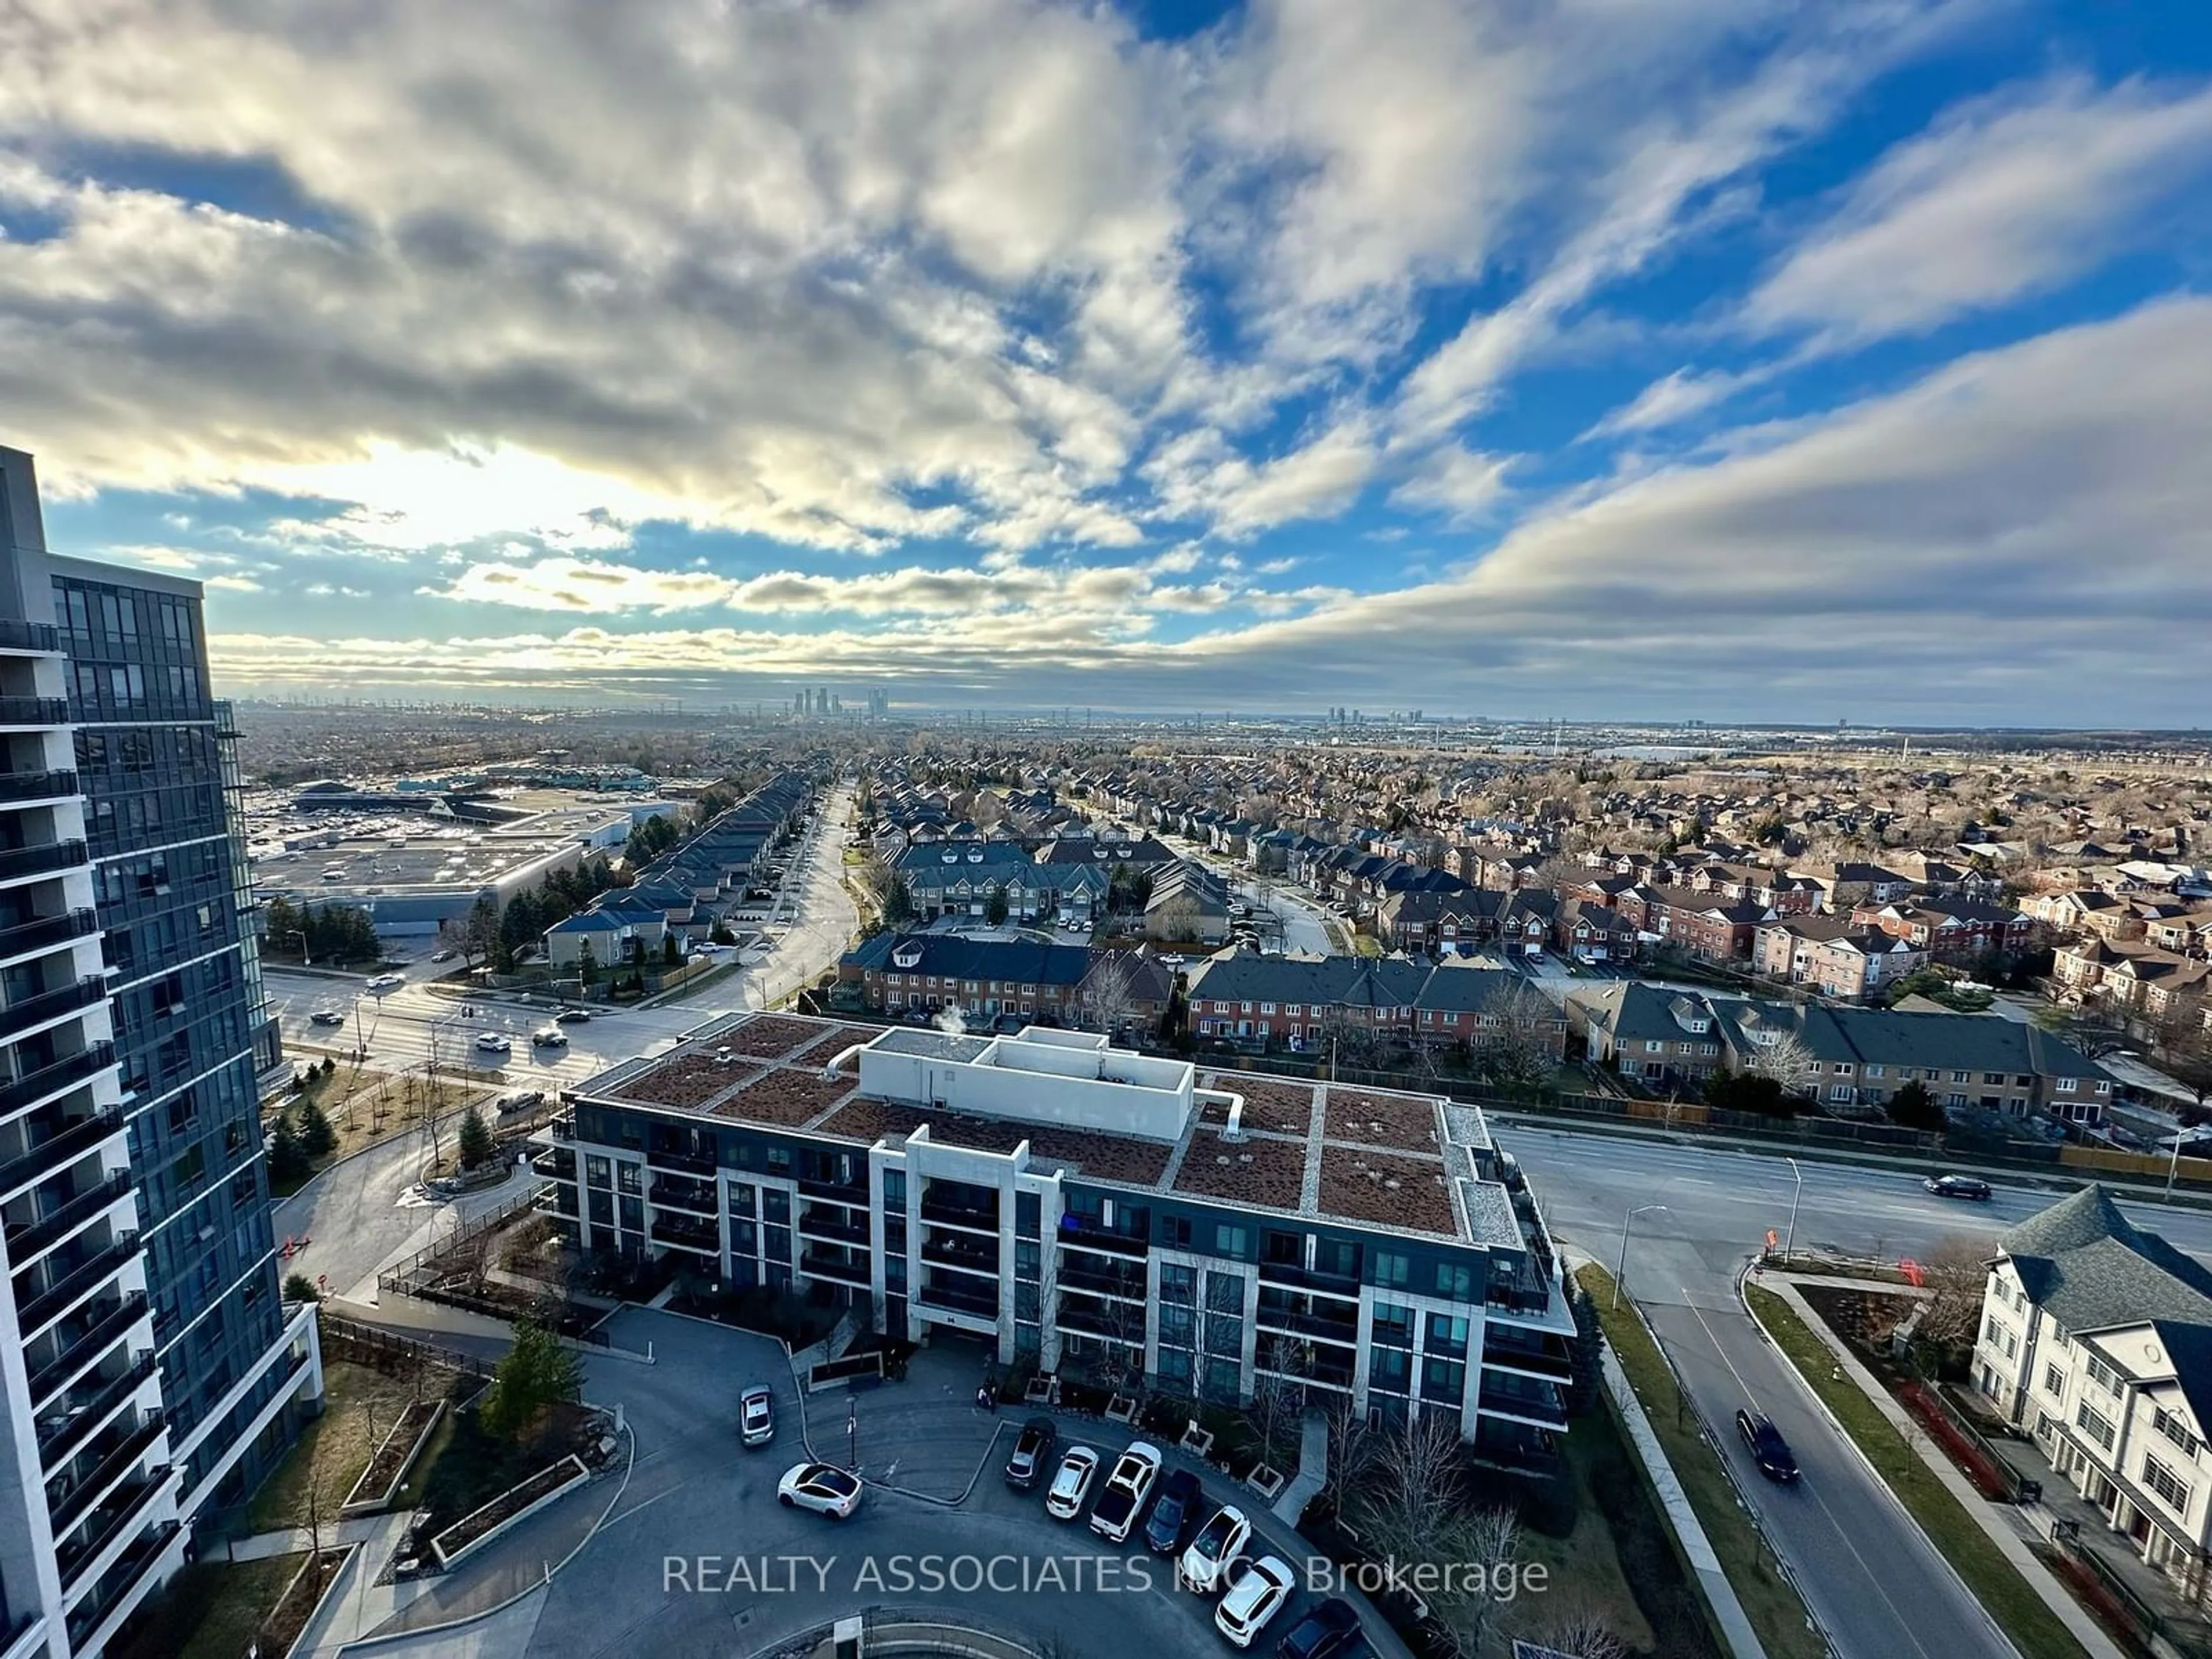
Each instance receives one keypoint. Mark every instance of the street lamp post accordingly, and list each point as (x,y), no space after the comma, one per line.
(1622,1270)
(305,961)
(1789,1247)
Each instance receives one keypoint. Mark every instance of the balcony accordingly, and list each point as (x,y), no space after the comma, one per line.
(817,1221)
(86,1616)
(1304,1279)
(675,1193)
(1319,1327)
(100,1333)
(49,858)
(1530,1358)
(563,1126)
(33,711)
(1544,1410)
(822,1264)
(18,788)
(1077,1274)
(559,1164)
(87,993)
(62,1431)
(27,1238)
(833,1192)
(1323,1370)
(559,1199)
(945,1294)
(66,1072)
(19,636)
(940,1212)
(69,1505)
(45,933)
(124,1506)
(1118,1325)
(947,1253)
(57,1150)
(684,1235)
(42,1310)
(690,1163)
(1097,1238)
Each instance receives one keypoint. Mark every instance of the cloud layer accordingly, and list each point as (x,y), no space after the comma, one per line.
(1015,354)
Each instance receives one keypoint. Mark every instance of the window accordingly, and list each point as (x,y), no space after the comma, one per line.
(1959,1077)
(1443,1379)
(1454,1281)
(1235,1242)
(1875,1071)
(2054,1380)
(1175,1232)
(1224,1293)
(2176,1429)
(2095,1424)
(2064,1085)
(2170,1487)
(1178,1326)
(1389,1368)
(1393,1325)
(1446,1336)
(1654,1047)
(2103,1375)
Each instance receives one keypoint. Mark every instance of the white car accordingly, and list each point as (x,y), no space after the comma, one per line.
(822,1487)
(1257,1592)
(442,956)
(1121,1500)
(1219,1542)
(493,1043)
(550,1036)
(1070,1484)
(387,982)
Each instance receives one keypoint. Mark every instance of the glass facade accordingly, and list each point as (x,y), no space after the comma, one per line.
(192,1032)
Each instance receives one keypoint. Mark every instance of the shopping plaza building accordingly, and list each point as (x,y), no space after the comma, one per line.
(148,1372)
(1050,1198)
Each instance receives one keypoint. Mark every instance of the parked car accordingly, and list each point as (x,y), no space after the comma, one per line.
(1769,1450)
(1257,1592)
(1168,1527)
(492,1042)
(1207,1561)
(572,1017)
(822,1487)
(1032,1450)
(327,1017)
(548,1037)
(1958,1186)
(757,1414)
(1123,1498)
(519,1100)
(1079,1466)
(1329,1631)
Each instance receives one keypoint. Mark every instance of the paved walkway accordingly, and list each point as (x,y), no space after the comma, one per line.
(359,1604)
(1312,1468)
(292,1540)
(2009,1526)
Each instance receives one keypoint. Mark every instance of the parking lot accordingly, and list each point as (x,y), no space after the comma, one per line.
(698,1559)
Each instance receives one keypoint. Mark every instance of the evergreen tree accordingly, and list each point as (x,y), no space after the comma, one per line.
(1913,1108)
(670,951)
(480,933)
(537,1375)
(995,906)
(317,1138)
(287,1163)
(587,964)
(477,1146)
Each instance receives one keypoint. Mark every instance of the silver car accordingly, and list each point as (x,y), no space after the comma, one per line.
(757,1414)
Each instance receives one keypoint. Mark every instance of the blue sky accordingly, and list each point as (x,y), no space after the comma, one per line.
(1713,359)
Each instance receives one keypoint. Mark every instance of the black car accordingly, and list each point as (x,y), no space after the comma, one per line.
(1032,1453)
(1767,1448)
(1956,1186)
(1167,1529)
(1331,1631)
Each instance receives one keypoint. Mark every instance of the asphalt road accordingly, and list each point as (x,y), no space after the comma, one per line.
(1869,1575)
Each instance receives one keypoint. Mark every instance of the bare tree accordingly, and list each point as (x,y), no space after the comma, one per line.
(1519,1045)
(1787,1061)
(1955,1273)
(1353,1449)
(1411,1499)
(2091,1028)
(1578,1631)
(1490,1540)
(1106,998)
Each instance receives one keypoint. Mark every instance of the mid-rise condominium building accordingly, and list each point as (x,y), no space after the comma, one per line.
(1050,1198)
(148,1370)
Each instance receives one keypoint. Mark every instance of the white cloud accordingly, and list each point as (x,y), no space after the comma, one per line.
(1672,399)
(2007,198)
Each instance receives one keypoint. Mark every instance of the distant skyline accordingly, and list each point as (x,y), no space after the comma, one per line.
(1742,361)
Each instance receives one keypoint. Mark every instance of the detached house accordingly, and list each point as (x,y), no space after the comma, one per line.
(2096,1338)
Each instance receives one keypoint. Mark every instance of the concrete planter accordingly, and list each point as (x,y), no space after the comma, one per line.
(1267,1482)
(469,1533)
(297,1644)
(358,1501)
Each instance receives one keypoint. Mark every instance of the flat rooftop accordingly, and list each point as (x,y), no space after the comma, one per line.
(1411,1163)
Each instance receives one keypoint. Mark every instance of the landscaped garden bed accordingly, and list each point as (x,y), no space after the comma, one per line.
(379,1482)
(768,1037)
(480,1525)
(289,1619)
(786,1095)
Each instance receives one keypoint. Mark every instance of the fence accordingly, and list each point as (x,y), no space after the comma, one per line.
(404,1278)
(2097,1582)
(383,1350)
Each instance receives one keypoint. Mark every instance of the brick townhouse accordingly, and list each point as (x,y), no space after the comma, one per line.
(1834,954)
(1956,931)
(984,979)
(1286,999)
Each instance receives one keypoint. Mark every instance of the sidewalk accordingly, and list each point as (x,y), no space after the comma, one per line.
(2006,1525)
(360,1604)
(292,1540)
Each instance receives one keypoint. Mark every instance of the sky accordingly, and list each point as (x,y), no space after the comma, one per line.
(1605,359)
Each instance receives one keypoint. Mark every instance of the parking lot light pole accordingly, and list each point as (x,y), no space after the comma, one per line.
(1627,1221)
(852,1435)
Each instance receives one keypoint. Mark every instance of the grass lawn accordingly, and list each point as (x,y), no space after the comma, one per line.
(2033,1628)
(365,1106)
(1366,945)
(1769,1600)
(1585,1567)
(359,1407)
(210,1610)
(691,988)
(463,1469)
